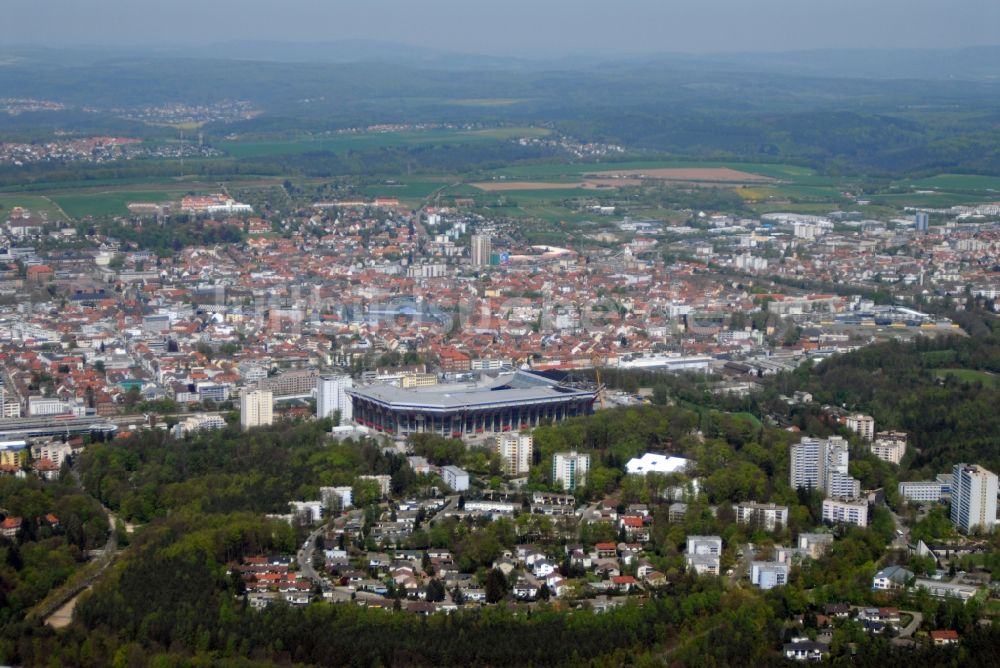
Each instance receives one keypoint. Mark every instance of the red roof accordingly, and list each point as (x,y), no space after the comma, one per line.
(944,635)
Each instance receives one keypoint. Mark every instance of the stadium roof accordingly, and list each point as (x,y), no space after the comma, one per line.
(518,388)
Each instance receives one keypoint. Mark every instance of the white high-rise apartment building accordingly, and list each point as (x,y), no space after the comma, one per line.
(481,248)
(569,469)
(823,465)
(808,464)
(331,396)
(516,452)
(256,408)
(973,498)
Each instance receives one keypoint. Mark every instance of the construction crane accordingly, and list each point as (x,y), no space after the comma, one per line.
(595,359)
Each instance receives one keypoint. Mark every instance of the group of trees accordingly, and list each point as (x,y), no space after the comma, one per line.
(943,392)
(44,554)
(174,235)
(150,473)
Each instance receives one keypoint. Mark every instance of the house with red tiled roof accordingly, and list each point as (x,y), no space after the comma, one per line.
(45,468)
(39,273)
(454,360)
(10,526)
(624,583)
(944,637)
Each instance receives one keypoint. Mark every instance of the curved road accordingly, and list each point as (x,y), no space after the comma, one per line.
(59,613)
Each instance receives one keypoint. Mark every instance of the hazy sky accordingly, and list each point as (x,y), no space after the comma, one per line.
(515,27)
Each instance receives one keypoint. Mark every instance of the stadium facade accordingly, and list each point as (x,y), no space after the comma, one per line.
(511,402)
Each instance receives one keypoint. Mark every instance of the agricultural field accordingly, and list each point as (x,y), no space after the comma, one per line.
(693,174)
(789,173)
(370,141)
(933,199)
(588,184)
(958,182)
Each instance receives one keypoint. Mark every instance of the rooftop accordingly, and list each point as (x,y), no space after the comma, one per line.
(519,387)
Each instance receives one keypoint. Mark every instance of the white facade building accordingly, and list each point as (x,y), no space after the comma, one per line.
(767,516)
(457,479)
(823,465)
(331,396)
(569,469)
(46,406)
(808,464)
(924,491)
(481,249)
(337,498)
(889,446)
(862,425)
(845,511)
(704,554)
(57,451)
(768,574)
(516,452)
(256,408)
(973,498)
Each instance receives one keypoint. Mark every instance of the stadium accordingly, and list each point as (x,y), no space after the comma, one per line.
(510,402)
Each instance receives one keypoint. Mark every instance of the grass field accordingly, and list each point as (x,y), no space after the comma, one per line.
(111,203)
(970,376)
(936,199)
(407,190)
(362,142)
(34,203)
(958,182)
(111,198)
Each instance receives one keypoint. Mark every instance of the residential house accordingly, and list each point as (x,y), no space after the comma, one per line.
(892,577)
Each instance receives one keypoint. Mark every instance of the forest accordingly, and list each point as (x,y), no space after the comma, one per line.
(918,388)
(152,474)
(59,524)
